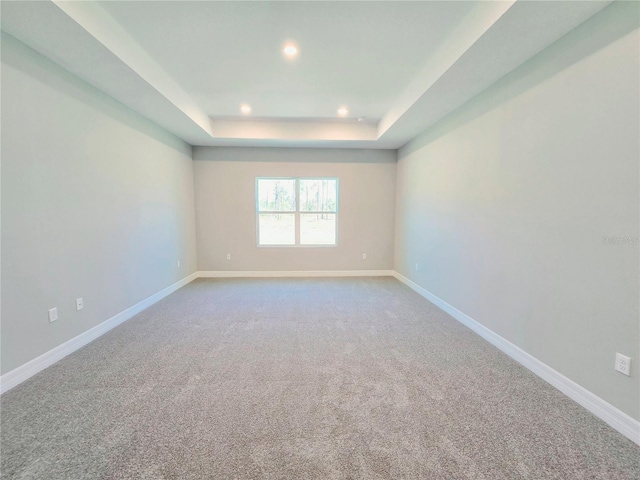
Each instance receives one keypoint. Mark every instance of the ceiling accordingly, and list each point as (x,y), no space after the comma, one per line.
(398,67)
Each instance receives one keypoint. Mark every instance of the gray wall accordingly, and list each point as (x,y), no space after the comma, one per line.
(504,206)
(226,218)
(96,203)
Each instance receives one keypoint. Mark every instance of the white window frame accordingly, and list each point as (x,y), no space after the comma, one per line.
(296,213)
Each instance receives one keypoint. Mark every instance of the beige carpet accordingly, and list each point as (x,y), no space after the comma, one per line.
(356,378)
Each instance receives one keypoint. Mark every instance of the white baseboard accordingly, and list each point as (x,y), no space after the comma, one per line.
(27,370)
(296,273)
(620,421)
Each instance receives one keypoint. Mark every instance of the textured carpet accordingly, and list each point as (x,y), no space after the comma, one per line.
(356,378)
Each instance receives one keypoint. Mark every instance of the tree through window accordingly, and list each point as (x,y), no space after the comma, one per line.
(297,211)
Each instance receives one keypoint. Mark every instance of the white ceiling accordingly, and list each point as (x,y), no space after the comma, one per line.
(188,66)
(225,54)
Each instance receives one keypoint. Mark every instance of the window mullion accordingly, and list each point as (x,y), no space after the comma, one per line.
(297,215)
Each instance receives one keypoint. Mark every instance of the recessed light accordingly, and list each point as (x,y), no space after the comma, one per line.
(244,108)
(290,50)
(343,111)
(361,119)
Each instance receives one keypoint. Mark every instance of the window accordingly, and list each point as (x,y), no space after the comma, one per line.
(297,211)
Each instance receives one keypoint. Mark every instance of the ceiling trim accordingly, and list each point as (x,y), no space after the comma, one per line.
(283,130)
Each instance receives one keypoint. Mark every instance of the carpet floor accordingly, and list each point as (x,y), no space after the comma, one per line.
(347,378)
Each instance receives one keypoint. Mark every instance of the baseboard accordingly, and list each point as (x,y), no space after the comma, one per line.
(620,421)
(27,370)
(296,273)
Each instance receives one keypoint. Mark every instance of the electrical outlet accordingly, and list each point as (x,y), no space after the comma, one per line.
(178,263)
(228,256)
(623,364)
(79,303)
(53,314)
(364,256)
(417,267)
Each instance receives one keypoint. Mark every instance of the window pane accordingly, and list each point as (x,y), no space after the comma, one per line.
(318,195)
(276,229)
(276,195)
(317,229)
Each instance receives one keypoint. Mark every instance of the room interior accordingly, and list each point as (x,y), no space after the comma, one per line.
(487,155)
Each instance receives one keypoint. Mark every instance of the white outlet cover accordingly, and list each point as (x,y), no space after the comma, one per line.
(53,314)
(623,364)
(364,256)
(79,304)
(228,256)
